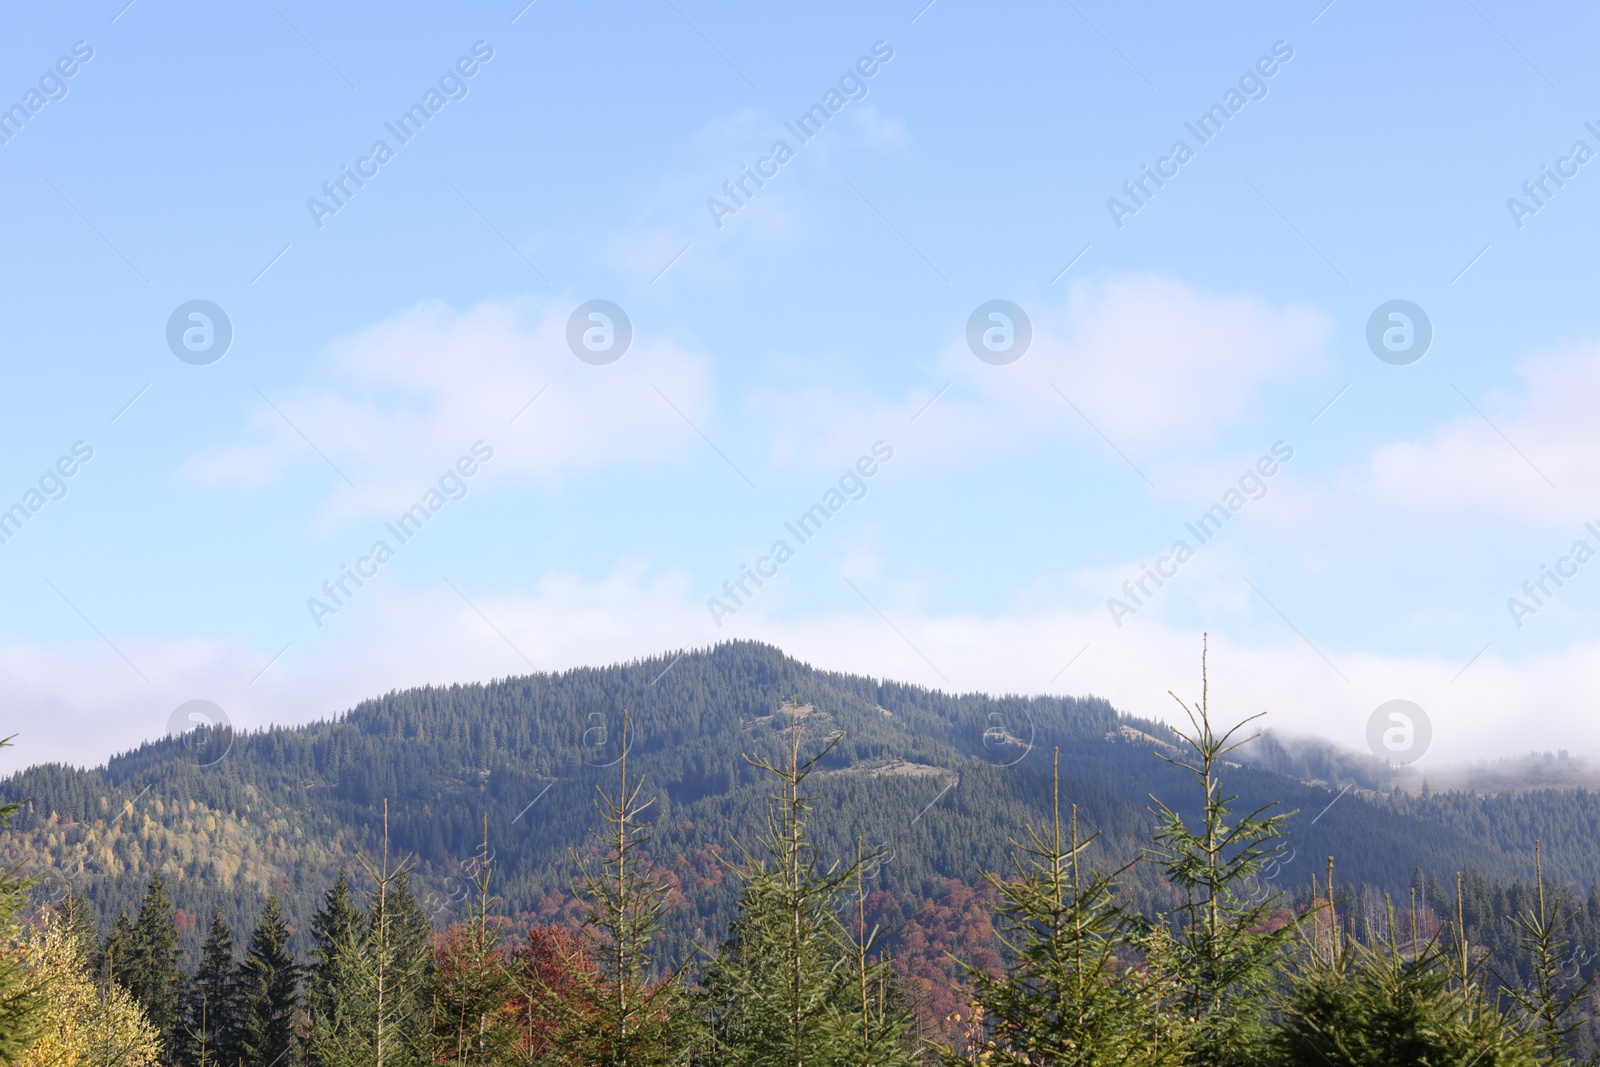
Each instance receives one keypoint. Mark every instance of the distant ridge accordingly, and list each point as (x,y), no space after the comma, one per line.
(940,781)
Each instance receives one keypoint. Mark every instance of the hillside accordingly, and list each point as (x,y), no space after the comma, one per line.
(939,781)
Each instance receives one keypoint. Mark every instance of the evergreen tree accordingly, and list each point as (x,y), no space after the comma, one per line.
(76,917)
(21,999)
(153,976)
(1068,994)
(874,1029)
(1547,1003)
(1383,1002)
(638,1021)
(473,1018)
(210,1029)
(380,999)
(783,974)
(269,997)
(1224,946)
(114,960)
(413,941)
(337,923)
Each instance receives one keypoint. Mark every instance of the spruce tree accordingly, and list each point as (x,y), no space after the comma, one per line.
(1224,948)
(413,941)
(114,959)
(210,1029)
(76,917)
(1382,1001)
(1548,1006)
(21,1000)
(337,923)
(639,1020)
(473,1019)
(269,993)
(1070,994)
(153,976)
(783,975)
(378,1007)
(873,1029)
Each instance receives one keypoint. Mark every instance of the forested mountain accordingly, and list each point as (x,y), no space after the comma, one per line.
(939,782)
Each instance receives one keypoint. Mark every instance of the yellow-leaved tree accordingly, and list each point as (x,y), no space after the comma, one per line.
(84,1025)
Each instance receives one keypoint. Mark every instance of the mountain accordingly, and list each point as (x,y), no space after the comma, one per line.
(938,782)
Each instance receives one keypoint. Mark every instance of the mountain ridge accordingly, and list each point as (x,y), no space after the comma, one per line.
(289,806)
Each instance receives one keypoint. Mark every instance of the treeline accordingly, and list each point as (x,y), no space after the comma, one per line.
(1235,972)
(288,807)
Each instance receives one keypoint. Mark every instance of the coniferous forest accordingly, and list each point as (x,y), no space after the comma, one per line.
(726,857)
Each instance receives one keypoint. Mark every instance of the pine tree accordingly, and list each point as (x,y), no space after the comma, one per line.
(210,1030)
(1067,995)
(473,1019)
(21,1000)
(269,997)
(639,1021)
(76,916)
(874,1029)
(1381,1001)
(115,957)
(1548,1005)
(380,1003)
(337,923)
(783,971)
(153,976)
(1224,948)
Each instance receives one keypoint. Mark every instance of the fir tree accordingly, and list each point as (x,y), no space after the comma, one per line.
(1384,1001)
(337,923)
(269,997)
(413,941)
(638,1021)
(1067,996)
(380,1010)
(152,975)
(21,1000)
(783,975)
(1224,947)
(210,1029)
(1548,1003)
(874,1029)
(473,1019)
(114,959)
(76,916)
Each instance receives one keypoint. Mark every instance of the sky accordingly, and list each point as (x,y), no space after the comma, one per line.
(608,297)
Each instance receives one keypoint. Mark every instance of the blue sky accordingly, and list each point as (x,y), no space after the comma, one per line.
(769,353)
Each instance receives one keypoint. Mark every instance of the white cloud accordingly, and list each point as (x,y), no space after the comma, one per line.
(1485,472)
(1158,366)
(723,163)
(81,705)
(1470,467)
(876,129)
(1158,363)
(397,403)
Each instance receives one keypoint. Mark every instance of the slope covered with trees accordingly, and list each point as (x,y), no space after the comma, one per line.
(933,781)
(1058,960)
